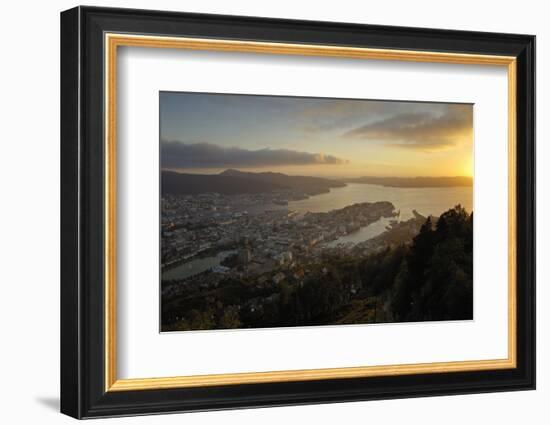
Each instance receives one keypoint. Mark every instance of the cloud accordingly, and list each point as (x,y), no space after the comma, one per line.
(176,154)
(338,114)
(423,130)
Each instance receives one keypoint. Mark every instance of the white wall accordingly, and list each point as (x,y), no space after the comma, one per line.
(29,225)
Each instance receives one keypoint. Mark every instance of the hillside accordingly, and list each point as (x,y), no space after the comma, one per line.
(231,182)
(305,184)
(193,184)
(427,277)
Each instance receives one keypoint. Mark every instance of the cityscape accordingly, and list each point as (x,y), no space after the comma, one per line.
(252,245)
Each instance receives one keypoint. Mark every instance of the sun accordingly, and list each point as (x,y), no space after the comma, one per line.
(467,168)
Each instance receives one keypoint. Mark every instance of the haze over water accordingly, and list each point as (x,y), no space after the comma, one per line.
(426,201)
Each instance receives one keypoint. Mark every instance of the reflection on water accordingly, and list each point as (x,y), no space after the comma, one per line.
(196,266)
(364,233)
(427,200)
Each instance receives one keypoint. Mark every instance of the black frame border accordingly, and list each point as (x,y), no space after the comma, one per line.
(82,204)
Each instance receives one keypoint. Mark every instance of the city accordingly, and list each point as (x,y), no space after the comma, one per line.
(241,238)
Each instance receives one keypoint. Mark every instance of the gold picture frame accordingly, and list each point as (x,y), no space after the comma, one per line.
(114,41)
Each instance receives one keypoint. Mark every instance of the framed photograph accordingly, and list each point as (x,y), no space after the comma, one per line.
(261,212)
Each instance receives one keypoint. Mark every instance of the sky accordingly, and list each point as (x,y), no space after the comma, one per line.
(207,133)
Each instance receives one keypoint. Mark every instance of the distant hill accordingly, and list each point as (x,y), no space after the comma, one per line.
(232,182)
(305,184)
(193,184)
(415,181)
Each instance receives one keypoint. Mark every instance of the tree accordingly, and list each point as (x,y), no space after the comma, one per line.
(437,282)
(230,319)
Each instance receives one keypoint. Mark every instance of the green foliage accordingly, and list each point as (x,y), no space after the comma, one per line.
(438,282)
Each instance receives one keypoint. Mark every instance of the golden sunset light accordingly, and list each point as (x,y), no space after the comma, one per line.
(208,133)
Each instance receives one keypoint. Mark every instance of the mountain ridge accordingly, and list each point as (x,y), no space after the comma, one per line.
(232,182)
